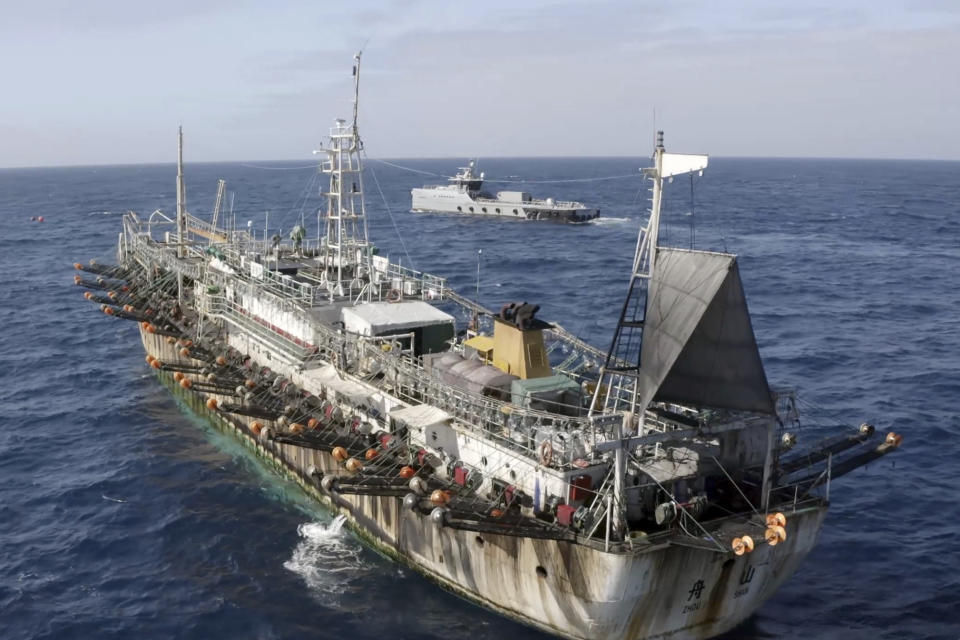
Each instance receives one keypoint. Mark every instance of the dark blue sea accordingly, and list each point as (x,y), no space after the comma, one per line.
(123,516)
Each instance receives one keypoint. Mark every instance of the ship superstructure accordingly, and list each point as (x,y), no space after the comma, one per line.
(465,195)
(650,490)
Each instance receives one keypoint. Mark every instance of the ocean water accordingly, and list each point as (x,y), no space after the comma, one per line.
(122,516)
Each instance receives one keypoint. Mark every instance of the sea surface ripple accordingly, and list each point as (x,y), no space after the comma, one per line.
(122,516)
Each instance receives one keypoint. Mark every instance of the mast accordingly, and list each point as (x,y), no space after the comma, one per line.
(181,196)
(346,247)
(620,373)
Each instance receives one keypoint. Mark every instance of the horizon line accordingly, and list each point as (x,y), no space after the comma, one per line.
(460,158)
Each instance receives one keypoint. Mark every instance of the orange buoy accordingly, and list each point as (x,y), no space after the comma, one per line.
(496,513)
(185,352)
(124,288)
(256,427)
(894,439)
(108,311)
(339,454)
(129,309)
(353,465)
(313,424)
(186,383)
(112,294)
(212,404)
(250,384)
(87,295)
(77,279)
(775,535)
(742,545)
(156,364)
(221,361)
(151,328)
(776,520)
(371,454)
(407,472)
(149,358)
(296,427)
(177,376)
(439,497)
(77,265)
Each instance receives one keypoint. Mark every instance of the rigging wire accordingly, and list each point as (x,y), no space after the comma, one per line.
(390,214)
(508,181)
(256,166)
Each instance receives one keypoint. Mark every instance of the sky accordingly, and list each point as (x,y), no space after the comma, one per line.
(108,81)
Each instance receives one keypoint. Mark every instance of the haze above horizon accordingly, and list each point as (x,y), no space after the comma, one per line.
(107,82)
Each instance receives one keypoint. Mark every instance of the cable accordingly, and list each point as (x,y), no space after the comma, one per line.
(256,166)
(504,180)
(390,213)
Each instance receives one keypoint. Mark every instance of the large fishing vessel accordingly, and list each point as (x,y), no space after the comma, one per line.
(651,490)
(465,195)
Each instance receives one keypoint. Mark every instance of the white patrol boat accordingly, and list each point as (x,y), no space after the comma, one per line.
(463,195)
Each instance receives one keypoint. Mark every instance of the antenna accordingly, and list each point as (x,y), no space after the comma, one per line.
(181,195)
(356,87)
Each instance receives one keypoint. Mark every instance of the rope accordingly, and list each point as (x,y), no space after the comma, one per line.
(399,166)
(256,166)
(390,214)
(504,180)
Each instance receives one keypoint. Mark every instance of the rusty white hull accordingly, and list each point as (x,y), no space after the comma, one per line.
(566,588)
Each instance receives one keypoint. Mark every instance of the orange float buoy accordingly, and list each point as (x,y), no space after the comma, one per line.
(775,535)
(178,376)
(112,295)
(313,424)
(124,288)
(250,384)
(212,404)
(439,497)
(186,383)
(296,428)
(339,454)
(77,279)
(156,364)
(371,454)
(353,465)
(149,358)
(87,295)
(407,472)
(256,427)
(776,520)
(742,545)
(77,265)
(894,439)
(221,361)
(108,311)
(496,513)
(185,352)
(151,328)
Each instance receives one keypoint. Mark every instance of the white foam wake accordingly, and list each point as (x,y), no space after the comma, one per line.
(604,221)
(326,559)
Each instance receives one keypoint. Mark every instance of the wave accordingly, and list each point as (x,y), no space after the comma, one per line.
(327,561)
(604,221)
